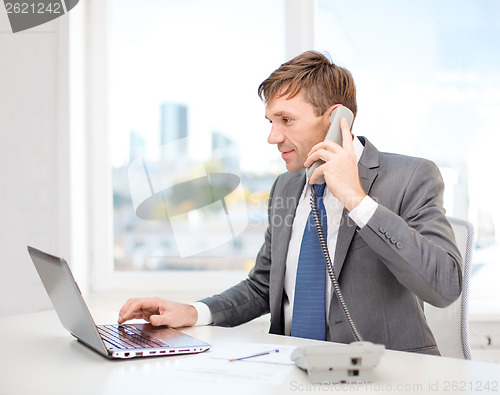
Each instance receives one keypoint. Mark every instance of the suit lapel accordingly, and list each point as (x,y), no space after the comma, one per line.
(281,224)
(285,211)
(368,171)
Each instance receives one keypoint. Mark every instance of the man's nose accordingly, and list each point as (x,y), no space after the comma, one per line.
(276,136)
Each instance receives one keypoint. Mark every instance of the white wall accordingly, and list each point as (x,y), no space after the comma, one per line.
(34,159)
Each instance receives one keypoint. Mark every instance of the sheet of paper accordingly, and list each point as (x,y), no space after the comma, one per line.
(216,364)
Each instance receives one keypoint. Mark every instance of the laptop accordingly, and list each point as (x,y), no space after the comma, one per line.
(112,341)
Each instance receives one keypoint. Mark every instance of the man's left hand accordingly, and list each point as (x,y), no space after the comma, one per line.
(340,168)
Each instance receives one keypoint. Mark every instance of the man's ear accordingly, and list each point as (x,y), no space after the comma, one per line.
(329,111)
(331,108)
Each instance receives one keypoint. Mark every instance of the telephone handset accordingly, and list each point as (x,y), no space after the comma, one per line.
(334,133)
(336,363)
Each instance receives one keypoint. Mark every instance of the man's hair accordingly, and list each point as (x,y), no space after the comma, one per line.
(322,82)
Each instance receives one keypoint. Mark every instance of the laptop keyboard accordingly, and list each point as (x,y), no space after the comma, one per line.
(120,336)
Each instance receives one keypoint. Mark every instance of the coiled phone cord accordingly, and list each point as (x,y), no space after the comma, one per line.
(329,266)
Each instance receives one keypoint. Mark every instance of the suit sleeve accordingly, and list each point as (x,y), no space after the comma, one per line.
(250,298)
(418,245)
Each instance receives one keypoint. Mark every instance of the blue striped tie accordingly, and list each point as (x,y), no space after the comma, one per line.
(309,304)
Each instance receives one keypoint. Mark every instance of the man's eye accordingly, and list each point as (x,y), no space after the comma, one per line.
(287,120)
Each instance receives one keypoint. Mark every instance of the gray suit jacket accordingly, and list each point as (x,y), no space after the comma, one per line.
(405,255)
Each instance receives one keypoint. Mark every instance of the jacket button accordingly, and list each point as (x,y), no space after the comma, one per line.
(382,230)
(393,240)
(399,244)
(388,235)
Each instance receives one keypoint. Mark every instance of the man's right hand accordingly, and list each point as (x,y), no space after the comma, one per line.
(159,312)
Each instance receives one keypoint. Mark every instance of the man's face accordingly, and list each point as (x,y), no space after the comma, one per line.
(295,129)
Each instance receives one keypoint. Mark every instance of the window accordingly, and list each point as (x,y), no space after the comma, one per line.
(186,128)
(182,80)
(427,75)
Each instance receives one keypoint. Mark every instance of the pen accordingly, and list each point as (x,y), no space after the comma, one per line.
(255,355)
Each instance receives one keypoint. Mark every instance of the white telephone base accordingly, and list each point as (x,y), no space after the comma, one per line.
(339,363)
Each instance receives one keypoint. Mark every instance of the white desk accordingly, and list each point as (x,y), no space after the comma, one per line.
(40,357)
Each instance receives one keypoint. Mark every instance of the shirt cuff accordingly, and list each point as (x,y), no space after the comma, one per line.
(364,211)
(204,314)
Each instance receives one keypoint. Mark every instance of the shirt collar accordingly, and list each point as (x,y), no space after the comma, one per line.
(358,148)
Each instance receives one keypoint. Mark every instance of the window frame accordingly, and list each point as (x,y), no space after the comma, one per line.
(100,276)
(299,36)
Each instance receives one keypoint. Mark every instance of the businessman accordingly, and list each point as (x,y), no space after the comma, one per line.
(391,245)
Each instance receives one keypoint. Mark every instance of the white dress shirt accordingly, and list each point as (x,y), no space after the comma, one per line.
(361,215)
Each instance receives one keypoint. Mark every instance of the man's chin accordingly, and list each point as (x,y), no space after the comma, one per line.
(294,168)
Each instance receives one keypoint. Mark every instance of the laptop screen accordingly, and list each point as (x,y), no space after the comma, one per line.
(66,298)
